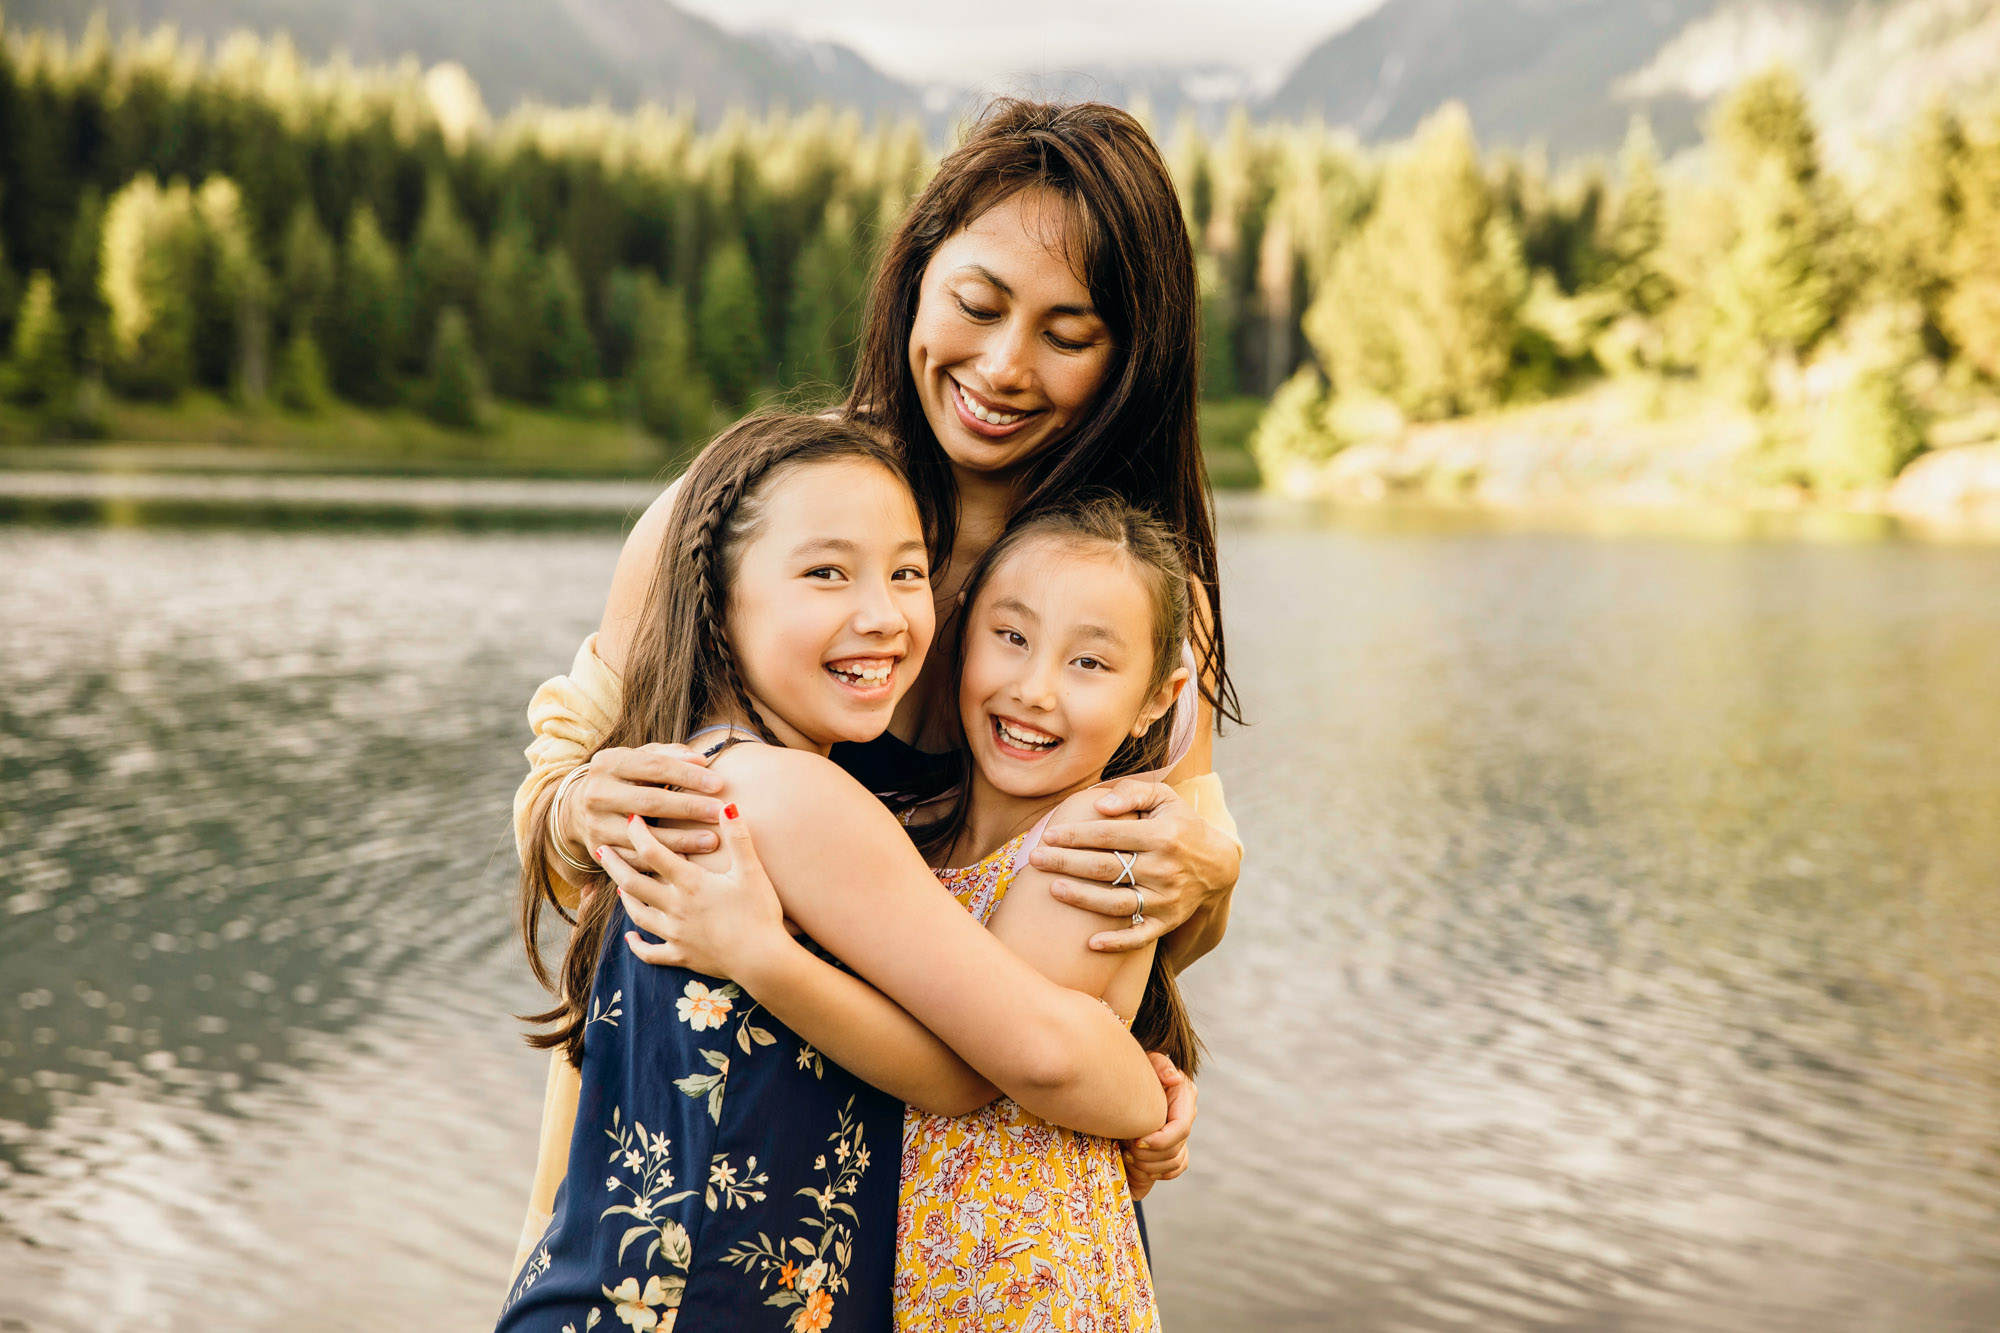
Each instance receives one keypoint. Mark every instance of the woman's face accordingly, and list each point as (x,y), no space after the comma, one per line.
(1007,350)
(830,611)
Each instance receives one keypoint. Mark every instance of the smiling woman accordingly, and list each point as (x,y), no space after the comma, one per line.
(1031,336)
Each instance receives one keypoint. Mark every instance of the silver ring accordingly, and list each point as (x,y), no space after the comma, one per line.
(1127,878)
(1138,906)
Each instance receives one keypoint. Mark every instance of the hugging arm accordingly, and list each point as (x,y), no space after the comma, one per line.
(732,925)
(846,872)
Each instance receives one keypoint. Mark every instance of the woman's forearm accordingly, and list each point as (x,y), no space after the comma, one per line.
(863,1031)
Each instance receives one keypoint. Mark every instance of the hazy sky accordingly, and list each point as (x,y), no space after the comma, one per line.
(925,41)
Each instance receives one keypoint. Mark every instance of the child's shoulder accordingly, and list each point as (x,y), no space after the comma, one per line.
(789,783)
(1082,805)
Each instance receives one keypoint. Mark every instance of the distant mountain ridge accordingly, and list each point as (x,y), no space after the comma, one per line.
(564,52)
(1565,73)
(1571,73)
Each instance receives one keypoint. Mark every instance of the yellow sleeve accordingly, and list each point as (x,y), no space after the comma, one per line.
(559,1101)
(1204,793)
(570,716)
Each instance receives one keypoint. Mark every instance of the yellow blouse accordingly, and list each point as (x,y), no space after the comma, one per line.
(569,715)
(1007,1221)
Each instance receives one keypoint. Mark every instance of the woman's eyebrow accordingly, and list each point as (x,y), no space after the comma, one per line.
(992,279)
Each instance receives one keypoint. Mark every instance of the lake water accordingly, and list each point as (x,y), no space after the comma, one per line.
(1618,946)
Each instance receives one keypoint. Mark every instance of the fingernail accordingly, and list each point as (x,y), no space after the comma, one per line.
(705,841)
(601,851)
(711,784)
(729,811)
(634,820)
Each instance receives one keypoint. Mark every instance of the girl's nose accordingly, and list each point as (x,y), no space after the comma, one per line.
(879,614)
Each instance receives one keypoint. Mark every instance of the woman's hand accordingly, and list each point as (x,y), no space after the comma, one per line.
(708,921)
(1163,1154)
(1182,862)
(597,810)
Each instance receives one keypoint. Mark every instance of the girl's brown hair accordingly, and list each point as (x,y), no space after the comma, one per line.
(1140,438)
(682,670)
(1095,523)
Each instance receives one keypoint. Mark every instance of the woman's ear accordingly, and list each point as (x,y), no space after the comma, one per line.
(1163,699)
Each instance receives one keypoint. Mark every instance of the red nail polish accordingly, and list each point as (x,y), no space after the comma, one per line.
(633,820)
(601,851)
(729,811)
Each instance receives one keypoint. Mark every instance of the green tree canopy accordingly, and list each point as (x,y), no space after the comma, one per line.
(368,319)
(730,329)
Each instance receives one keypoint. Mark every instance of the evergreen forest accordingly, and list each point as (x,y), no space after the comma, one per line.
(242,228)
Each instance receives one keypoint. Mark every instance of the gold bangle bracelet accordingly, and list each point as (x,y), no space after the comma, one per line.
(557,842)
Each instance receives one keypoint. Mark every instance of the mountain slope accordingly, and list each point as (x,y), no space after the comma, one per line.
(557,51)
(1526,69)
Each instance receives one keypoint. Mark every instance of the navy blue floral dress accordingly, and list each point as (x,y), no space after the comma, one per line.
(722,1175)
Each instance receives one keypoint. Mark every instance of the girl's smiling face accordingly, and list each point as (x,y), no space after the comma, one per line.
(1006,349)
(830,610)
(1059,667)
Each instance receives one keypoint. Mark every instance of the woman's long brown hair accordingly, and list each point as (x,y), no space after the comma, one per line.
(1140,439)
(682,670)
(1101,522)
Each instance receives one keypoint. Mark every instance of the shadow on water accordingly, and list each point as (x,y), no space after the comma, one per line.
(1616,948)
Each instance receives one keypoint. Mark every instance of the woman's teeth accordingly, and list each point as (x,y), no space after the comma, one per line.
(1026,737)
(863,673)
(989,417)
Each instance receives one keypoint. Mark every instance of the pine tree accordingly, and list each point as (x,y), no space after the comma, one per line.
(454,393)
(674,398)
(309,270)
(231,295)
(823,324)
(730,329)
(368,316)
(507,304)
(151,247)
(39,371)
(302,381)
(10,290)
(624,300)
(1423,307)
(79,287)
(565,356)
(445,264)
(1779,287)
(1971,308)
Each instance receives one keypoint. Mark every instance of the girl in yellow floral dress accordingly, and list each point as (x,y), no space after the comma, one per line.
(1070,654)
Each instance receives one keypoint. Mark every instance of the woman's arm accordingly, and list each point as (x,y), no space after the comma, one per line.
(731,925)
(846,873)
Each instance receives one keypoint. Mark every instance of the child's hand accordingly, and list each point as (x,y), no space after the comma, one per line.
(1163,1154)
(708,921)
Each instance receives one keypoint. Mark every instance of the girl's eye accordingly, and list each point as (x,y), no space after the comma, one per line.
(825,572)
(1012,637)
(1090,664)
(971,311)
(910,574)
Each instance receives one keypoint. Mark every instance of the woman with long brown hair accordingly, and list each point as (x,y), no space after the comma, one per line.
(1031,333)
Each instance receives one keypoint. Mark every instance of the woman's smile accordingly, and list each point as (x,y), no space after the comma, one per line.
(983,416)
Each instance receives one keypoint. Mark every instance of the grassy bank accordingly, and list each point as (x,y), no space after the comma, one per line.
(204,433)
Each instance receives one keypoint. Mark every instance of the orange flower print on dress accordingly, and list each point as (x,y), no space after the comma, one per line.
(701,1008)
(815,1314)
(1008,1221)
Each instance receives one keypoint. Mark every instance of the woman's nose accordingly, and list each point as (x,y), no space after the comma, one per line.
(1007,365)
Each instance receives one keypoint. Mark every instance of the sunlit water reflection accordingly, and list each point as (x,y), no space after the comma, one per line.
(1617,948)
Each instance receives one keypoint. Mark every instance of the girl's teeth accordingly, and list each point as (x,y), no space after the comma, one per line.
(1031,742)
(990,418)
(868,675)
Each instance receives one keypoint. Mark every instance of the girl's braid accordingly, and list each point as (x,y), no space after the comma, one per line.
(711,596)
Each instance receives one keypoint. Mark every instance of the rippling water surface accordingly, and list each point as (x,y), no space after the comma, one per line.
(1619,946)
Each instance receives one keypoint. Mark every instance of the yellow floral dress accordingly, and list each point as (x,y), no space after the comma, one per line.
(1007,1221)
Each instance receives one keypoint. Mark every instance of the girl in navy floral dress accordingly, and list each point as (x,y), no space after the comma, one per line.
(722,1173)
